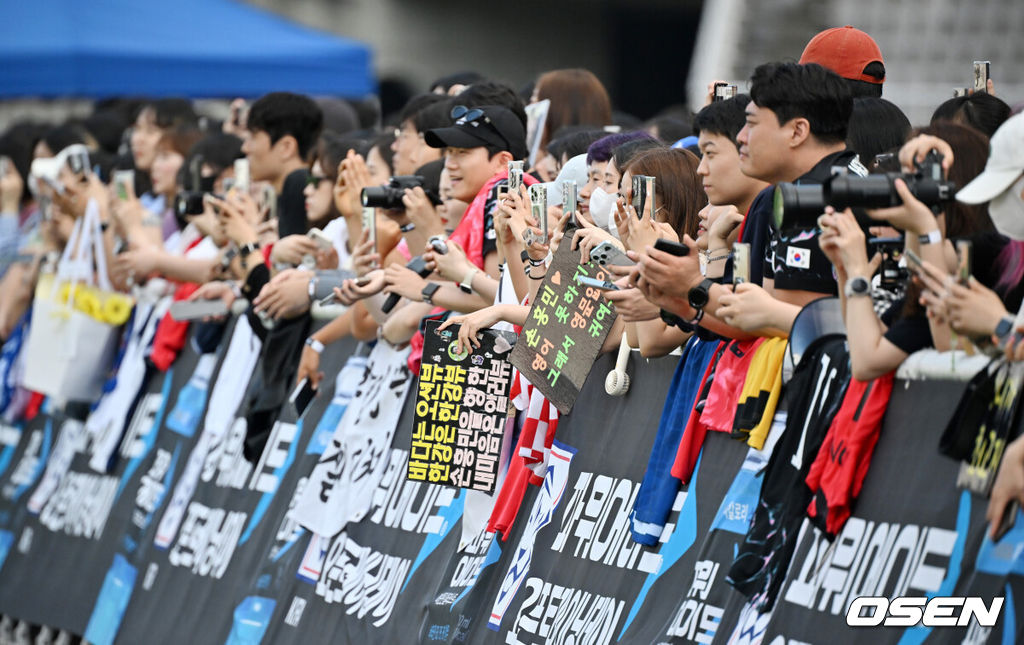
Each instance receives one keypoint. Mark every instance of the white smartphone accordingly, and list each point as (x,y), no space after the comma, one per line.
(185,310)
(370,224)
(320,238)
(539,209)
(242,178)
(740,263)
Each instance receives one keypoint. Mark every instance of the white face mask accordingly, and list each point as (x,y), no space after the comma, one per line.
(601,205)
(1007,211)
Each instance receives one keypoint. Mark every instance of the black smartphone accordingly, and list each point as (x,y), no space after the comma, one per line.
(675,248)
(1009,519)
(301,397)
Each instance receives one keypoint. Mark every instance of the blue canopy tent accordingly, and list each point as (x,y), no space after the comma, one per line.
(194,48)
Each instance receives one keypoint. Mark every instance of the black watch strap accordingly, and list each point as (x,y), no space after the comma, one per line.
(429,291)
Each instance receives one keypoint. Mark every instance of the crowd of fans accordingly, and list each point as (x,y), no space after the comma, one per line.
(287,232)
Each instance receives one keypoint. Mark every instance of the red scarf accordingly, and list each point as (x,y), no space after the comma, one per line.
(470,236)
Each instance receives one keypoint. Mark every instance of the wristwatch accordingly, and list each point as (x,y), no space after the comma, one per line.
(466,284)
(429,291)
(698,296)
(312,288)
(246,250)
(315,345)
(857,286)
(1004,328)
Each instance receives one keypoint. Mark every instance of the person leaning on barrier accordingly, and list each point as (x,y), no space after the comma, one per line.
(795,130)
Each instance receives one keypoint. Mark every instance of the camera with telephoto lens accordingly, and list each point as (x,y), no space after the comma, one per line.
(389,196)
(801,204)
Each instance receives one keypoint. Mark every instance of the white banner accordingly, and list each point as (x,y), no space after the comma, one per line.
(341,486)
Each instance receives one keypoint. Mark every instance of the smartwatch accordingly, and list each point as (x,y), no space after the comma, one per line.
(466,284)
(857,286)
(1004,328)
(698,296)
(429,291)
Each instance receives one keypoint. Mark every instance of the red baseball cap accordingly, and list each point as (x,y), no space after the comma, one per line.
(846,51)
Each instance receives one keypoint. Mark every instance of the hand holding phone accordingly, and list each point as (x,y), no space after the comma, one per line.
(321,239)
(607,253)
(603,285)
(675,248)
(302,396)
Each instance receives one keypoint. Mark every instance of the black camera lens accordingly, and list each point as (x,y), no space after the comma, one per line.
(382,197)
(873,191)
(797,203)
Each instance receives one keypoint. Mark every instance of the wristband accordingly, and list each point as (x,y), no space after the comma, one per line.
(931,237)
(466,284)
(311,290)
(405,228)
(724,256)
(315,345)
(525,257)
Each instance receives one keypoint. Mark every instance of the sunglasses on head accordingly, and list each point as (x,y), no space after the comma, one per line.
(472,116)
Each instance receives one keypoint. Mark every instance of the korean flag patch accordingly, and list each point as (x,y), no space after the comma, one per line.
(798,257)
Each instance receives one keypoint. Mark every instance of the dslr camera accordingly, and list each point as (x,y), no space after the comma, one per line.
(799,204)
(389,196)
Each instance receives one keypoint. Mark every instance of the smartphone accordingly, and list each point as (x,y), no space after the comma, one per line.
(964,257)
(301,397)
(675,248)
(124,184)
(539,208)
(185,310)
(370,224)
(515,176)
(649,193)
(607,253)
(961,91)
(740,262)
(242,179)
(981,70)
(320,238)
(638,195)
(1009,519)
(268,201)
(723,91)
(603,285)
(569,201)
(914,259)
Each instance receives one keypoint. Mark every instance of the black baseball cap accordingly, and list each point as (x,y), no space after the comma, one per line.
(487,125)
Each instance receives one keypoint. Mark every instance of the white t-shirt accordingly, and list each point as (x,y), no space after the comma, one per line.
(337,231)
